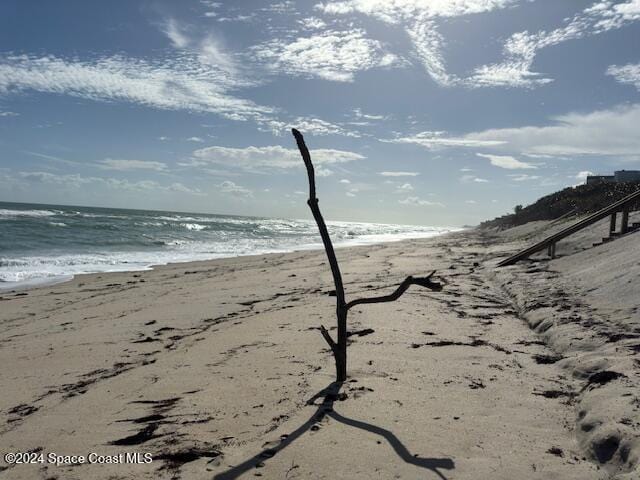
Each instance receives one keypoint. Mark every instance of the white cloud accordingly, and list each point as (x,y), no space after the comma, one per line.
(612,15)
(471,202)
(418,18)
(312,23)
(323,172)
(582,176)
(77,181)
(176,35)
(357,112)
(629,74)
(8,114)
(399,174)
(308,126)
(195,139)
(418,202)
(283,7)
(211,52)
(331,55)
(211,8)
(317,126)
(350,193)
(472,179)
(234,189)
(180,83)
(404,188)
(257,159)
(429,44)
(523,177)
(394,11)
(612,132)
(345,181)
(115,164)
(506,161)
(433,140)
(521,48)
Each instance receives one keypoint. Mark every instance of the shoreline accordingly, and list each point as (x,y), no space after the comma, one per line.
(41,282)
(213,367)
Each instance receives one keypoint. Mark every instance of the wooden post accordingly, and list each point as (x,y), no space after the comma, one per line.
(624,227)
(551,250)
(612,223)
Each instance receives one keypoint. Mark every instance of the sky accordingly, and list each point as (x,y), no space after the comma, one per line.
(431,112)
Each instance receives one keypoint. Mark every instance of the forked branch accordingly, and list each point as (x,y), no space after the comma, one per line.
(328,338)
(422,281)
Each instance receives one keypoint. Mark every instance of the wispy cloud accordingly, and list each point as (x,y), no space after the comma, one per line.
(211,8)
(124,165)
(506,161)
(582,175)
(234,189)
(404,188)
(521,48)
(629,74)
(259,159)
(77,181)
(8,114)
(472,179)
(308,126)
(397,10)
(523,177)
(419,202)
(358,114)
(175,33)
(399,174)
(418,17)
(312,23)
(433,140)
(332,55)
(611,132)
(179,83)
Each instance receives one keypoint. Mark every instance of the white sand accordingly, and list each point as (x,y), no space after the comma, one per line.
(209,366)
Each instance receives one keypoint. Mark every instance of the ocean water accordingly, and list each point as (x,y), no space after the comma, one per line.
(43,243)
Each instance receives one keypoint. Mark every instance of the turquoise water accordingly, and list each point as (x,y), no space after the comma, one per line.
(54,241)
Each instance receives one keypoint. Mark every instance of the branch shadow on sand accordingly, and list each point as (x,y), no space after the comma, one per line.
(325,408)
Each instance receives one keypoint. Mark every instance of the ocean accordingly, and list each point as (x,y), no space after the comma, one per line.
(48,243)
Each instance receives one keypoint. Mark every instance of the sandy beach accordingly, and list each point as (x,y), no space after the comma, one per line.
(218,370)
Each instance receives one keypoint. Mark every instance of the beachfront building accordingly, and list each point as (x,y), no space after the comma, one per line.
(618,176)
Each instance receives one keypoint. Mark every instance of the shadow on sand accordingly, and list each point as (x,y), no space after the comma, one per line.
(331,394)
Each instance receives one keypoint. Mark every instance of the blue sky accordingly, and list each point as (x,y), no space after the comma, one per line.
(436,112)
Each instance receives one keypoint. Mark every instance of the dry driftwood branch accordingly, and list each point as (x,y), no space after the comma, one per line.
(328,338)
(422,281)
(339,348)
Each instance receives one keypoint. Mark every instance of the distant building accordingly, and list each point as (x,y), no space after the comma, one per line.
(627,176)
(592,179)
(619,176)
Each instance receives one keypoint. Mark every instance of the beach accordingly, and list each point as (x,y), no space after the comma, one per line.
(217,369)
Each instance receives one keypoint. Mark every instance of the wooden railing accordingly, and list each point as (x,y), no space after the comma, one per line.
(550,242)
